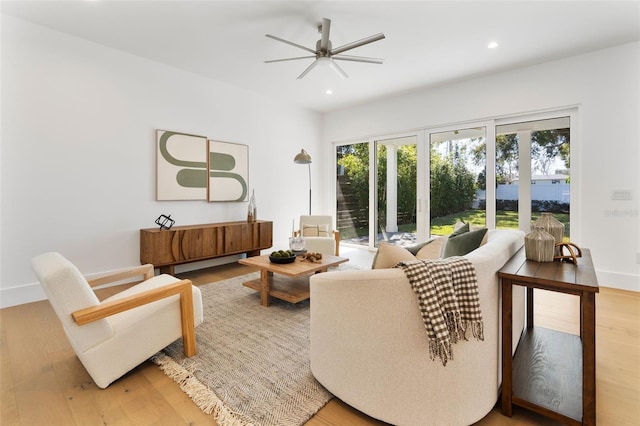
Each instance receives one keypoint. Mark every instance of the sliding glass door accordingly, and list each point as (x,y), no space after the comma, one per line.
(396,199)
(457,178)
(533,172)
(376,184)
(496,173)
(352,192)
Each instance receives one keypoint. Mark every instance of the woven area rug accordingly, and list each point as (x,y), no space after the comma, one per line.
(252,365)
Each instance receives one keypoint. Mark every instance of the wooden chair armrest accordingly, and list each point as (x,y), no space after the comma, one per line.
(145,270)
(183,288)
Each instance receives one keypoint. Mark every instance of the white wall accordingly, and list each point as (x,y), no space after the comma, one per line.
(605,85)
(78,152)
(78,147)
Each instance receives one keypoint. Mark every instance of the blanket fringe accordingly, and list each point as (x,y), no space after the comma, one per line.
(201,395)
(455,326)
(440,349)
(477,328)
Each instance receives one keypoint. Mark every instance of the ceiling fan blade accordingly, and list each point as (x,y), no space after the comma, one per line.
(358,43)
(291,43)
(309,68)
(357,59)
(337,69)
(288,59)
(324,41)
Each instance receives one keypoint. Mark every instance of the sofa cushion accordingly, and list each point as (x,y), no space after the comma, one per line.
(389,255)
(472,227)
(415,248)
(433,249)
(463,241)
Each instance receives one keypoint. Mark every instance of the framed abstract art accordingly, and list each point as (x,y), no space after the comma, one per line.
(181,166)
(192,167)
(228,171)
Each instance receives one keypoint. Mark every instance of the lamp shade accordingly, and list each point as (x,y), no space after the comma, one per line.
(302,157)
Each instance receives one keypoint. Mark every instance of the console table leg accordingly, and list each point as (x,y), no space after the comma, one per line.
(169,269)
(530,322)
(588,334)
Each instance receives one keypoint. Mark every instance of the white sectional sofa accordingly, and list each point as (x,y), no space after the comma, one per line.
(369,346)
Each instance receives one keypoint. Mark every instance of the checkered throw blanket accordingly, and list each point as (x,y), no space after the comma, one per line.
(447,291)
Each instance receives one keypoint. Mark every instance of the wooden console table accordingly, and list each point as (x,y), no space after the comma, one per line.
(165,248)
(551,373)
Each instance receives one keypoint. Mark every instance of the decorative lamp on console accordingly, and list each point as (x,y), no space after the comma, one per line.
(303,157)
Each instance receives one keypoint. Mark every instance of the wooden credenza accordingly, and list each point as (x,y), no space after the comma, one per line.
(165,248)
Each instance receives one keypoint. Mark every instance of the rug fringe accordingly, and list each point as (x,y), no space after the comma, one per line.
(200,394)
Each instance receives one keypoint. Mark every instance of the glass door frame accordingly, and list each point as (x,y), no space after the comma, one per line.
(490,172)
(423,166)
(524,162)
(373,197)
(421,189)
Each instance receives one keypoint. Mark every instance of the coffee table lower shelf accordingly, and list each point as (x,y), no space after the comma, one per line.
(292,290)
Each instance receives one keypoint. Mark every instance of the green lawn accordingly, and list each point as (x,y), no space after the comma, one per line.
(444,225)
(504,220)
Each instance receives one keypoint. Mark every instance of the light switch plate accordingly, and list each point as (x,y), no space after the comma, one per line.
(621,194)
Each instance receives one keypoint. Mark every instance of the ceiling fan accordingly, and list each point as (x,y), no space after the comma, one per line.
(324,51)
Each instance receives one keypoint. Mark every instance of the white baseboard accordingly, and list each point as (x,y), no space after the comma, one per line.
(20,295)
(610,279)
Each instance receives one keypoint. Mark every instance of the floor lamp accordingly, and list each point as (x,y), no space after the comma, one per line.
(304,158)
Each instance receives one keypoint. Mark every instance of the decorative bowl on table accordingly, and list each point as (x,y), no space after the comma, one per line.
(282,257)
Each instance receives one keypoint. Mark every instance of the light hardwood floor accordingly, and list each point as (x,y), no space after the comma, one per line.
(43,383)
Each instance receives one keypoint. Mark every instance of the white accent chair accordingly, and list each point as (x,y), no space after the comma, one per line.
(113,336)
(319,235)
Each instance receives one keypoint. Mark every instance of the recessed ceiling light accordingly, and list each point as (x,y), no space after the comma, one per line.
(493,45)
(329,92)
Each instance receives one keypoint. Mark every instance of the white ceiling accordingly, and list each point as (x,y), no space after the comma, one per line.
(427,43)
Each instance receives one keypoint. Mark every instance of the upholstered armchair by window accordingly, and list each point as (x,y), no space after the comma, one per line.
(319,235)
(113,336)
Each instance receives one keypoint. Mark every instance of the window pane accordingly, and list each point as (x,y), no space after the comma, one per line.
(550,175)
(396,171)
(457,179)
(352,189)
(548,145)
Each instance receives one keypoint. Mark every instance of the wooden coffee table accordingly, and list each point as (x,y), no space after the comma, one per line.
(288,281)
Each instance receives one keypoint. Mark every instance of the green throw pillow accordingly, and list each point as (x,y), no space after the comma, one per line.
(462,242)
(461,229)
(414,249)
